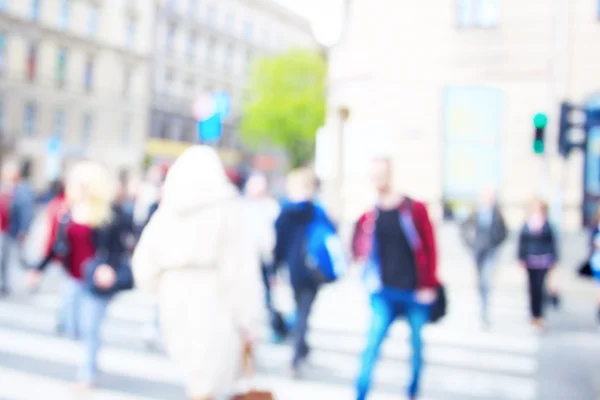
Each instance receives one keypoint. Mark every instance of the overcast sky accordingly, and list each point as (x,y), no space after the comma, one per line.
(303,7)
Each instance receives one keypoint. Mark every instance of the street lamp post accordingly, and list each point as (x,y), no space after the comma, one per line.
(328,29)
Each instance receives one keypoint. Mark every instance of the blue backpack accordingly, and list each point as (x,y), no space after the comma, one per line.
(325,256)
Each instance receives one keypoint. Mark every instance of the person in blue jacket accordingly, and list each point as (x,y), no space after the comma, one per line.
(290,240)
(20,216)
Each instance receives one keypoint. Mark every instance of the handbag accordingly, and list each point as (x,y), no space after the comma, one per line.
(585,270)
(248,366)
(438,308)
(124,279)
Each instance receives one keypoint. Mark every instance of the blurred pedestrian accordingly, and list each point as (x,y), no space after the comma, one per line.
(290,250)
(57,208)
(595,260)
(484,232)
(538,254)
(262,213)
(147,196)
(19,201)
(396,242)
(197,257)
(89,241)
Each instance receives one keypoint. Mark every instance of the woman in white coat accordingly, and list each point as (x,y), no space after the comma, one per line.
(197,256)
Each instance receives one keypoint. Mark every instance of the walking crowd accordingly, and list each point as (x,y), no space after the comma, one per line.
(210,248)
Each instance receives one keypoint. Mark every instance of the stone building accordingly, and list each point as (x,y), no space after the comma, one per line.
(449,90)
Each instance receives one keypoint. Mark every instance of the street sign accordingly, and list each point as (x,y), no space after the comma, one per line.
(53,145)
(53,158)
(210,109)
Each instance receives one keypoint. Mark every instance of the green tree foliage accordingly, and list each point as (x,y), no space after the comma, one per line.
(286,103)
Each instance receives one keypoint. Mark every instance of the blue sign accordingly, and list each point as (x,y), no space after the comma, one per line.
(210,127)
(53,145)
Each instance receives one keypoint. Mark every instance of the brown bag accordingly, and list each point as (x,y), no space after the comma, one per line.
(248,368)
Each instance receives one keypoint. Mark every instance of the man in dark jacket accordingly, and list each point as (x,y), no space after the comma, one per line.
(290,242)
(484,232)
(396,243)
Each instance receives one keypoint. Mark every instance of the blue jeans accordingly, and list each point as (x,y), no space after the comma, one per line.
(486,264)
(386,306)
(70,308)
(92,312)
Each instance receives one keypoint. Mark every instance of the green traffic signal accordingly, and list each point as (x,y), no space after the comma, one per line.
(538,146)
(540,120)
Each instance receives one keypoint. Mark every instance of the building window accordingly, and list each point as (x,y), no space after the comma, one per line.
(170,40)
(35,9)
(64,14)
(190,85)
(130,32)
(126,130)
(92,26)
(2,52)
(190,51)
(88,74)
(211,15)
(229,21)
(127,82)
(193,8)
(2,117)
(477,13)
(228,60)
(266,39)
(248,30)
(169,80)
(32,55)
(29,121)
(87,129)
(61,68)
(170,5)
(59,123)
(211,49)
(3,5)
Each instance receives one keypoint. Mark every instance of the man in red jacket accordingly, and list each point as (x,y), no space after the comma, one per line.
(395,241)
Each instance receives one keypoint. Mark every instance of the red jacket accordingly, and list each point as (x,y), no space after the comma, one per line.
(5,200)
(424,250)
(54,212)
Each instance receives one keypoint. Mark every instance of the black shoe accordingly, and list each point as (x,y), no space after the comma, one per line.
(555,301)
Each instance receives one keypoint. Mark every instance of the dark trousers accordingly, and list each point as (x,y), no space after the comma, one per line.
(305,298)
(537,279)
(266,277)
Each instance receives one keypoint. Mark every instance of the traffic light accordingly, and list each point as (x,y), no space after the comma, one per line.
(539,122)
(575,125)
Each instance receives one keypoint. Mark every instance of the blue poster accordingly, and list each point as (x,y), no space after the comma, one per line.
(472,127)
(214,111)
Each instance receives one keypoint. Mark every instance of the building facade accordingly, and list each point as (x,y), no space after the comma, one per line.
(75,81)
(449,93)
(208,47)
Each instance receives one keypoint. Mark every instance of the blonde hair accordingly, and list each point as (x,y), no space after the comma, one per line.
(89,185)
(301,184)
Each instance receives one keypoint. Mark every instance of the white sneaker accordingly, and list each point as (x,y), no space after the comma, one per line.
(151,336)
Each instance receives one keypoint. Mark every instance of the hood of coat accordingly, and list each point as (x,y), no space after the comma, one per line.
(189,229)
(196,181)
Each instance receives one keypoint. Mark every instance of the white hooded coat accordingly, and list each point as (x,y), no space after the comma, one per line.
(196,255)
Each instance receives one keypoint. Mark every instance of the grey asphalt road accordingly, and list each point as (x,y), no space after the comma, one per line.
(464,361)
